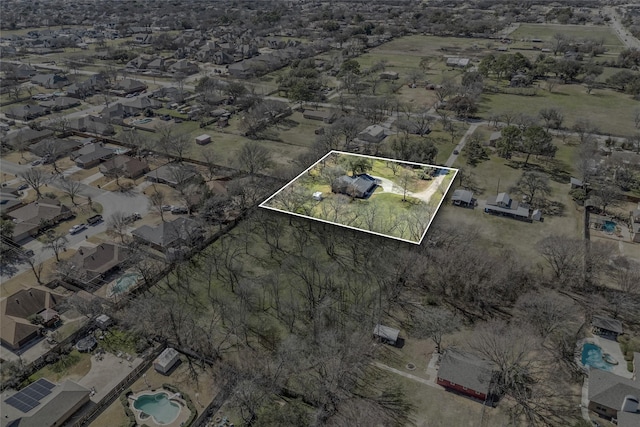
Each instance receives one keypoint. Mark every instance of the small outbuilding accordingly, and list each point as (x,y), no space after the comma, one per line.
(86,344)
(317,196)
(536,215)
(166,360)
(386,334)
(203,139)
(606,326)
(103,321)
(463,198)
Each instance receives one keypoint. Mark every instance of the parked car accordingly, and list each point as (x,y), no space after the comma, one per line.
(77,228)
(94,219)
(132,218)
(36,162)
(456,152)
(23,187)
(179,210)
(166,208)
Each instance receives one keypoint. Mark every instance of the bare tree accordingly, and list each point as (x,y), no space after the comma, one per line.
(552,117)
(535,186)
(435,323)
(564,255)
(157,200)
(406,181)
(35,178)
(57,242)
(253,157)
(118,223)
(605,196)
(71,187)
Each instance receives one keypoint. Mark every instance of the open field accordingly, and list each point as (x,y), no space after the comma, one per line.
(546,32)
(610,111)
(400,204)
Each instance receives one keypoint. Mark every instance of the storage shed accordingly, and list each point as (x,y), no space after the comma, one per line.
(167,359)
(203,139)
(386,334)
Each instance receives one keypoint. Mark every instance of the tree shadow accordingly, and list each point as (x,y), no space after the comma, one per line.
(553,208)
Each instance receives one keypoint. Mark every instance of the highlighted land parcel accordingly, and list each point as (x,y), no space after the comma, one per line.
(376,195)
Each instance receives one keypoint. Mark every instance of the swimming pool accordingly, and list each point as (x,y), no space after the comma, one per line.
(592,357)
(123,284)
(609,227)
(158,406)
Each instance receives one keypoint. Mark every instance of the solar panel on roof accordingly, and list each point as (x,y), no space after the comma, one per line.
(45,383)
(30,396)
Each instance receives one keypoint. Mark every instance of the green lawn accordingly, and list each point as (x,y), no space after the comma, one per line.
(610,111)
(546,32)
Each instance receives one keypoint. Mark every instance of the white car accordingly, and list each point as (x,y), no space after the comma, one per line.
(77,228)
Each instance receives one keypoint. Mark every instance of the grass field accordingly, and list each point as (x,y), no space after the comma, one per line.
(546,32)
(397,211)
(610,111)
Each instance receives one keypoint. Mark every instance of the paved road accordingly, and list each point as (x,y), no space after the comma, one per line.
(111,202)
(452,158)
(625,36)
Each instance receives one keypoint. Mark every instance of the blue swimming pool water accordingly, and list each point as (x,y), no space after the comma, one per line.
(609,226)
(124,283)
(158,405)
(592,356)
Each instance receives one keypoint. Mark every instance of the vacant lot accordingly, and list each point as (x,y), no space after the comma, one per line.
(610,111)
(546,33)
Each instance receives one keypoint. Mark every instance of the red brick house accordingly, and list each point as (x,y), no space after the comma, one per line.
(466,373)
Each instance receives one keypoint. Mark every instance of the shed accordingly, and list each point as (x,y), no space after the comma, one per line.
(203,139)
(389,75)
(576,183)
(386,334)
(462,198)
(603,325)
(166,360)
(103,321)
(317,196)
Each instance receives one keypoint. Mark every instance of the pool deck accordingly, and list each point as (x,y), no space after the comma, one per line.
(182,417)
(608,346)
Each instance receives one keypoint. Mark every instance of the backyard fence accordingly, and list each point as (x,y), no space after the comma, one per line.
(107,400)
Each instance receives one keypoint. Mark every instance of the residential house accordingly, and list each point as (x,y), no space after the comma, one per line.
(222,58)
(169,94)
(607,393)
(91,264)
(43,403)
(606,326)
(25,136)
(463,198)
(456,61)
(139,63)
(140,104)
(323,116)
(184,67)
(50,81)
(17,311)
(389,75)
(87,87)
(26,112)
(635,225)
(127,86)
(9,200)
(53,148)
(372,134)
(91,125)
(466,373)
(157,64)
(503,205)
(125,166)
(91,155)
(32,218)
(241,70)
(172,174)
(60,103)
(176,233)
(359,186)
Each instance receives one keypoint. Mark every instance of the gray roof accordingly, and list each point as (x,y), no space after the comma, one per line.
(362,184)
(467,370)
(607,323)
(52,410)
(168,233)
(167,358)
(92,152)
(386,332)
(576,182)
(462,195)
(608,389)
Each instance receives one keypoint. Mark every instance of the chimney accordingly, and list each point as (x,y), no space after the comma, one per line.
(30,294)
(630,404)
(80,251)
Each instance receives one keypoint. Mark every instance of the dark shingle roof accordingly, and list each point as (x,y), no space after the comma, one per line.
(467,370)
(609,389)
(607,323)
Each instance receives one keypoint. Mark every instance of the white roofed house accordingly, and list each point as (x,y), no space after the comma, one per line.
(503,205)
